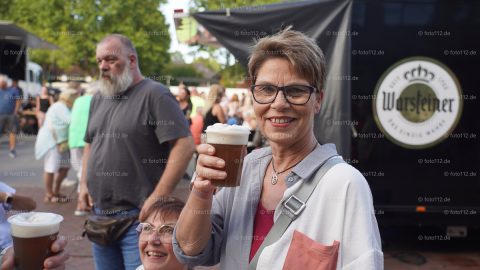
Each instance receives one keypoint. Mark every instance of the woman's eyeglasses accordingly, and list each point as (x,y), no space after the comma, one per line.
(294,94)
(164,232)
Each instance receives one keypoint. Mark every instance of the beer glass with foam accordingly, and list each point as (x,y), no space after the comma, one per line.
(33,234)
(230,142)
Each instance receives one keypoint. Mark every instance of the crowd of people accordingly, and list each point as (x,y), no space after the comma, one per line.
(203,110)
(20,113)
(132,140)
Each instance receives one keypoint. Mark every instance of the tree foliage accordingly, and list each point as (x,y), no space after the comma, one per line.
(180,72)
(222,4)
(210,63)
(76,26)
(233,74)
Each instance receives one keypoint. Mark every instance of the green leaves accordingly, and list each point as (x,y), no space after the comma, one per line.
(77,25)
(222,4)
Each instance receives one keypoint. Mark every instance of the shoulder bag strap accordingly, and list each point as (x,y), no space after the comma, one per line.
(293,207)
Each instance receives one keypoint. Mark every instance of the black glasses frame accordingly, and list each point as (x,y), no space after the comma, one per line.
(281,88)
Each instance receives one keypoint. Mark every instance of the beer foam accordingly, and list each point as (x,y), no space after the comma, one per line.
(34,224)
(227,134)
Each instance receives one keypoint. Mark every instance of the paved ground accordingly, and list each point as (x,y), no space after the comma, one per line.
(402,250)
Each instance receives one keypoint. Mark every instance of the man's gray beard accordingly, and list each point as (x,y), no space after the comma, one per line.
(117,85)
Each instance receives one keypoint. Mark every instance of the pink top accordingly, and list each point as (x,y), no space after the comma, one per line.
(262,224)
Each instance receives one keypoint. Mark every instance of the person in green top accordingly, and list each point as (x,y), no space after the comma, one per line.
(76,133)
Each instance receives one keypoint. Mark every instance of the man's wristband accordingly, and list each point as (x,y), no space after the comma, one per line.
(2,253)
(7,201)
(5,249)
(8,198)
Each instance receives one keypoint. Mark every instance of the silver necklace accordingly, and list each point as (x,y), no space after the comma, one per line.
(275,174)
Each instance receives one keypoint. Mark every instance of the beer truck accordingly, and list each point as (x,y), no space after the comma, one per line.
(417,104)
(15,43)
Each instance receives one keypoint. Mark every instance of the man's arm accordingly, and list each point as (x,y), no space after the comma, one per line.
(19,202)
(180,155)
(18,102)
(84,197)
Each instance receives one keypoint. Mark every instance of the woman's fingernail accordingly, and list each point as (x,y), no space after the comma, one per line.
(220,163)
(210,150)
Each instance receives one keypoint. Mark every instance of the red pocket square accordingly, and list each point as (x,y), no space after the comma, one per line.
(306,254)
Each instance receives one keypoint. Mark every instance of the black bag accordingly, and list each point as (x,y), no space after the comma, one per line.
(104,230)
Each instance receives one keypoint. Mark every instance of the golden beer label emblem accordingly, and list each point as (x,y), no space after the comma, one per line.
(417,102)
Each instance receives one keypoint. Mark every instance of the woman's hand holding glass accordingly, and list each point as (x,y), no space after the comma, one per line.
(209,167)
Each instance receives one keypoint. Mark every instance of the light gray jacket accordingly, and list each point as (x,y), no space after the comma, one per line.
(340,209)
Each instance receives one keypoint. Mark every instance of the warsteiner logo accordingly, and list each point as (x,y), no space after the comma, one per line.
(417,102)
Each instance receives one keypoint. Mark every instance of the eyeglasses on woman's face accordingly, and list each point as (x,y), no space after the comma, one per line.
(164,232)
(294,94)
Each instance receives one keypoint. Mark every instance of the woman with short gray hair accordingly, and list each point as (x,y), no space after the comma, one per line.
(299,205)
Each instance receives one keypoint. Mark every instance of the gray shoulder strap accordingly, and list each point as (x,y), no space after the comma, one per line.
(293,207)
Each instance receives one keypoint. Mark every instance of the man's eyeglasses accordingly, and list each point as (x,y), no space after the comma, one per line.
(164,232)
(294,94)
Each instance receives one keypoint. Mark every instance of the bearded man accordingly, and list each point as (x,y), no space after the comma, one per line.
(138,146)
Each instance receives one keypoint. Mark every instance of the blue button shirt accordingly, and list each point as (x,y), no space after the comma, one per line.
(8,98)
(5,238)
